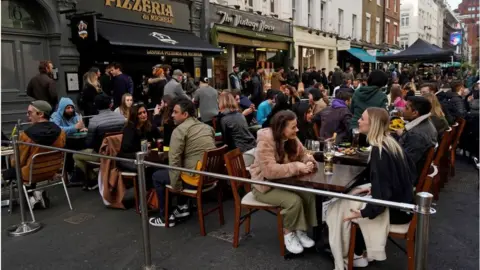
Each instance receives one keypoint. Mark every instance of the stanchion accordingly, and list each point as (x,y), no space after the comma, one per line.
(144,209)
(423,210)
(25,227)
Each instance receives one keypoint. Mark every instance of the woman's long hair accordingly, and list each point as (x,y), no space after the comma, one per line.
(133,119)
(226,101)
(124,110)
(379,134)
(167,111)
(395,92)
(278,125)
(281,104)
(436,107)
(92,79)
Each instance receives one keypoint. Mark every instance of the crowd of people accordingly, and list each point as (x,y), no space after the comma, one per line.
(269,126)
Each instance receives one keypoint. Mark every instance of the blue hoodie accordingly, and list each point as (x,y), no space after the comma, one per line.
(68,125)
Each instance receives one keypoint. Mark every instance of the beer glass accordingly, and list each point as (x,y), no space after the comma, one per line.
(328,154)
(356,136)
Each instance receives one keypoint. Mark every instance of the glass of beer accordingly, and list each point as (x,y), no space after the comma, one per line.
(328,154)
(355,140)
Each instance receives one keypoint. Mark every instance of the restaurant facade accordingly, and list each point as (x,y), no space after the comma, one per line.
(78,34)
(248,40)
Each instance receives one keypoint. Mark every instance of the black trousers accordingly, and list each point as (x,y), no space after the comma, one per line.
(11,174)
(396,217)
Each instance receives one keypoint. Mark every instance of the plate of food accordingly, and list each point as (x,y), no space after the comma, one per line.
(397,124)
(348,151)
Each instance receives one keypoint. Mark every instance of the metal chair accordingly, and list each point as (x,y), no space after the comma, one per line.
(43,167)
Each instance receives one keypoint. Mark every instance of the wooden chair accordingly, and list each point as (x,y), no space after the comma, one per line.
(426,168)
(461,126)
(402,231)
(43,167)
(212,162)
(236,167)
(440,155)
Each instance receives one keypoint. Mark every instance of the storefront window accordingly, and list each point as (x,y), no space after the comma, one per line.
(308,57)
(16,15)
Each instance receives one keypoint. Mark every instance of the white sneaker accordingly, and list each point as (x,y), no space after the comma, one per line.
(40,198)
(33,201)
(305,241)
(292,243)
(359,261)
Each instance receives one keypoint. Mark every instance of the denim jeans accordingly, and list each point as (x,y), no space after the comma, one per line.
(161,178)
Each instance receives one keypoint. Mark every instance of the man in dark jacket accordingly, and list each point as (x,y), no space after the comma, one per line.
(456,100)
(257,87)
(305,75)
(292,77)
(42,86)
(234,78)
(121,84)
(337,77)
(419,134)
(314,77)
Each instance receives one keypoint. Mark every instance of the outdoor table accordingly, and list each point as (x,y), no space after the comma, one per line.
(342,180)
(359,159)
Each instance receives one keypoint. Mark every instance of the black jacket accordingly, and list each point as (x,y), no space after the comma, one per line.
(42,87)
(418,140)
(292,78)
(457,103)
(235,131)
(88,96)
(257,90)
(337,78)
(392,179)
(155,91)
(132,139)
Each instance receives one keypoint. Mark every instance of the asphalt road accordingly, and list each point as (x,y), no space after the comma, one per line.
(94,237)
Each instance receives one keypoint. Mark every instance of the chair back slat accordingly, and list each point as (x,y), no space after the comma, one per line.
(236,167)
(45,165)
(212,162)
(461,125)
(426,168)
(443,147)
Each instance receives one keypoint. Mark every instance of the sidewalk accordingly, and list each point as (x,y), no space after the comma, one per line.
(94,237)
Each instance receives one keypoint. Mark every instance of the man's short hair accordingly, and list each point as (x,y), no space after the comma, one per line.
(271,94)
(116,65)
(102,102)
(43,66)
(344,95)
(245,75)
(186,105)
(236,92)
(316,94)
(420,104)
(432,87)
(234,67)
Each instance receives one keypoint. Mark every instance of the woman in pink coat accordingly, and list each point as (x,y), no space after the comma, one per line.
(279,154)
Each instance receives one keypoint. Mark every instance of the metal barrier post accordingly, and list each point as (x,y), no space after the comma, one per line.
(423,210)
(24,227)
(144,209)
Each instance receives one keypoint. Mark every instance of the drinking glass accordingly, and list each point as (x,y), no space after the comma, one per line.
(315,146)
(356,135)
(308,144)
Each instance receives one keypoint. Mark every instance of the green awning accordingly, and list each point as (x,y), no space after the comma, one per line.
(362,55)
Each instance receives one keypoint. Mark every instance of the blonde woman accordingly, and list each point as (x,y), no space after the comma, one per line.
(90,90)
(390,172)
(124,108)
(436,114)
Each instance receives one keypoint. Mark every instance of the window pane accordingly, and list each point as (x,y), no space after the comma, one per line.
(32,54)
(9,67)
(15,15)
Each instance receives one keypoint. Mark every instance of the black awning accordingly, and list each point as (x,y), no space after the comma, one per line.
(155,41)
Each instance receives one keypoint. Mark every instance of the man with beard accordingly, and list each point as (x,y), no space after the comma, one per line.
(42,86)
(40,132)
(66,118)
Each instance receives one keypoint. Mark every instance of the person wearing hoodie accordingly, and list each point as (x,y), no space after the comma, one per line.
(304,113)
(40,132)
(369,96)
(336,118)
(66,118)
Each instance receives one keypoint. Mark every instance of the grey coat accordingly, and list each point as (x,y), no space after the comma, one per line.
(174,89)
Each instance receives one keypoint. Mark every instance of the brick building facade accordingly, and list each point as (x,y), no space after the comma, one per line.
(470,14)
(392,22)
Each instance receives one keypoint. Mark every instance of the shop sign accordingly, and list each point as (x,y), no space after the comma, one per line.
(84,32)
(246,21)
(237,20)
(343,45)
(174,53)
(158,12)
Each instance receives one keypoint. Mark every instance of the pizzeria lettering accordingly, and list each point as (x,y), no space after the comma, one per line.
(152,10)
